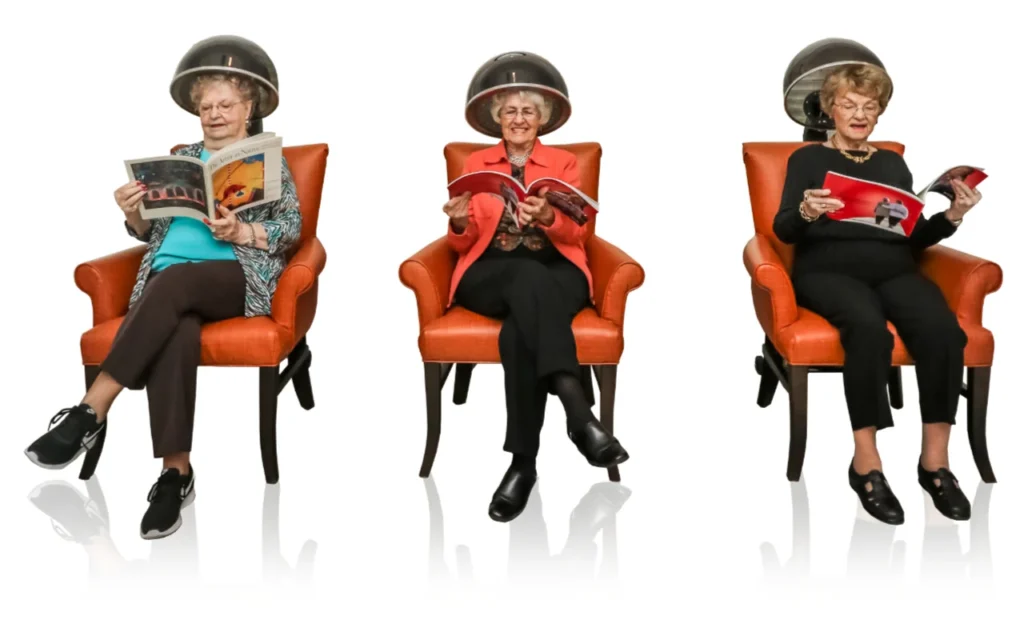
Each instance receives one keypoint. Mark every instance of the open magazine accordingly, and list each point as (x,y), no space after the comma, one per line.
(239,176)
(877,205)
(971,176)
(566,198)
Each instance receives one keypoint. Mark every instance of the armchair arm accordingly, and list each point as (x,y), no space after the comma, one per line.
(964,279)
(429,275)
(108,281)
(774,298)
(288,308)
(615,274)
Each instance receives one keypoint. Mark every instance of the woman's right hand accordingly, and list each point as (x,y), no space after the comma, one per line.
(458,211)
(129,196)
(816,202)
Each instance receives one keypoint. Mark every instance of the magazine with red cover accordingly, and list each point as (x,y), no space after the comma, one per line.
(971,176)
(877,205)
(566,198)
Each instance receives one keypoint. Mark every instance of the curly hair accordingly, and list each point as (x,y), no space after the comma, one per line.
(245,87)
(865,79)
(543,103)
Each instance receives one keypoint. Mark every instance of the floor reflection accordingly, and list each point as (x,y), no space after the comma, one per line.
(875,552)
(85,520)
(529,554)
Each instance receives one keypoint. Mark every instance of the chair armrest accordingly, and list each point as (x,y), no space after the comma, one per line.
(615,274)
(109,281)
(964,279)
(429,275)
(774,298)
(288,308)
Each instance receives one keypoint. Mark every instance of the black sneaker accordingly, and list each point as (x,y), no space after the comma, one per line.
(62,444)
(171,493)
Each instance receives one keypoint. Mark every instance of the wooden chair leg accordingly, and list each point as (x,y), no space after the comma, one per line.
(895,388)
(269,378)
(433,378)
(607,382)
(977,410)
(300,380)
(92,457)
(463,376)
(797,421)
(769,382)
(588,383)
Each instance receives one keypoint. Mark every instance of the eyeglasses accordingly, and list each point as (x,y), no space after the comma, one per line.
(870,109)
(511,113)
(208,109)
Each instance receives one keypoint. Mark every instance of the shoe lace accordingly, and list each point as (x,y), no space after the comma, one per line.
(165,487)
(64,412)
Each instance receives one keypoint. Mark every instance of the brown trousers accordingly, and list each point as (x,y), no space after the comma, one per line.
(157,346)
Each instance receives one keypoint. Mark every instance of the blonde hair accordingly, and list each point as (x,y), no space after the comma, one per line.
(543,103)
(865,79)
(245,87)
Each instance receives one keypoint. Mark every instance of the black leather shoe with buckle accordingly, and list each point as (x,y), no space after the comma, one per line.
(945,491)
(879,501)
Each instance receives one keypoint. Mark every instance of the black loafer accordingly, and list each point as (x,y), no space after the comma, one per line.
(879,502)
(947,496)
(599,447)
(512,494)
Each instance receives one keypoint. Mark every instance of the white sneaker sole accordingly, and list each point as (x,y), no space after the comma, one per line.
(156,535)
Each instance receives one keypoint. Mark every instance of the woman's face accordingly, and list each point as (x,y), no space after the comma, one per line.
(855,115)
(223,112)
(520,120)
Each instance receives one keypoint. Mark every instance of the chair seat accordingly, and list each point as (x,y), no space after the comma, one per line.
(463,336)
(237,342)
(812,341)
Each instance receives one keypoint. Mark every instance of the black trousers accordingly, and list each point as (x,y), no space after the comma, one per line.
(157,345)
(859,308)
(537,302)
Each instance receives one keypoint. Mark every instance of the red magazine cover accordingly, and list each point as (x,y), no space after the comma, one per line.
(971,176)
(873,204)
(565,197)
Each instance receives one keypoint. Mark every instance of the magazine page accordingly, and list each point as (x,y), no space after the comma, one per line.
(566,198)
(245,174)
(175,186)
(500,184)
(877,205)
(970,175)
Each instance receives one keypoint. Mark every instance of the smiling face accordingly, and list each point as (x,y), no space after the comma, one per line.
(855,115)
(223,112)
(520,119)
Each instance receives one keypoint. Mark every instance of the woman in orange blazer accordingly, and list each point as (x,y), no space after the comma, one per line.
(534,276)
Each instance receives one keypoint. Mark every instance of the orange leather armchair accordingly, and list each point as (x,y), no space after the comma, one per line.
(457,337)
(798,341)
(263,342)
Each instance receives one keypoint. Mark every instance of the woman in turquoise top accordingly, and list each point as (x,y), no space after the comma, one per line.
(193,272)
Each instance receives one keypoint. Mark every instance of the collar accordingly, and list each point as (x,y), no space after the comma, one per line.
(193,150)
(497,154)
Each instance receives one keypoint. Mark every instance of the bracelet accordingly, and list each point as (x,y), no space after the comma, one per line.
(252,235)
(803,213)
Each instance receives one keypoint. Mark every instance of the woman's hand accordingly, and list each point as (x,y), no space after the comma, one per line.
(228,228)
(817,202)
(457,209)
(128,198)
(536,209)
(965,200)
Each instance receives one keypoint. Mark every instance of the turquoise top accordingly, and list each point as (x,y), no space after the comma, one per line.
(190,240)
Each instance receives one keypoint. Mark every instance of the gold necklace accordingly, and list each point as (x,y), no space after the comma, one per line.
(846,154)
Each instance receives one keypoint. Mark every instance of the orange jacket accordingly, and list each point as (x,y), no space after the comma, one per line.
(485,209)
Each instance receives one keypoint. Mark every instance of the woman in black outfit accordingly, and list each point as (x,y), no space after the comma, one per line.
(857,277)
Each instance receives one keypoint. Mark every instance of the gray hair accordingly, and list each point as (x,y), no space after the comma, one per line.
(543,103)
(245,87)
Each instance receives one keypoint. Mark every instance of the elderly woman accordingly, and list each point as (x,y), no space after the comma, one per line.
(192,273)
(858,277)
(534,277)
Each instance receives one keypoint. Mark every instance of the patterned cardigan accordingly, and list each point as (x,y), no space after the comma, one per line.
(262,267)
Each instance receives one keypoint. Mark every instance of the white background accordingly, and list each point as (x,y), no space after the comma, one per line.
(671,94)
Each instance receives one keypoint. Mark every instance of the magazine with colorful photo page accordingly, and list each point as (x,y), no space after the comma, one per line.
(969,175)
(239,176)
(873,204)
(578,206)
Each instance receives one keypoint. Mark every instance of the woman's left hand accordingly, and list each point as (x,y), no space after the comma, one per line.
(227,227)
(536,209)
(965,200)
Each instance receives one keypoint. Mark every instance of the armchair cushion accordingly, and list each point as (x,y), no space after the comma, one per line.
(108,282)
